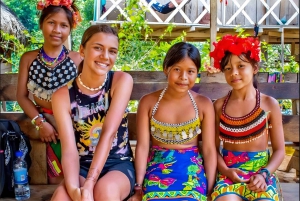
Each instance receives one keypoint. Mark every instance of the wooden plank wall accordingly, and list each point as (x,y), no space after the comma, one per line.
(211,85)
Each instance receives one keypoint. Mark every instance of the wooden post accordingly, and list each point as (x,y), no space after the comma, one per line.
(213,25)
(67,43)
(295,107)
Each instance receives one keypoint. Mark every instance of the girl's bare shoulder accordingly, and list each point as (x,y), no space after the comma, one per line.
(219,103)
(151,98)
(75,56)
(27,58)
(30,55)
(268,102)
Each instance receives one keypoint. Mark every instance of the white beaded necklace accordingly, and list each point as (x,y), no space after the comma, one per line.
(92,89)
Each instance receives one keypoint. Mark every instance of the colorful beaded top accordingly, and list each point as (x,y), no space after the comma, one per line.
(175,133)
(43,80)
(240,130)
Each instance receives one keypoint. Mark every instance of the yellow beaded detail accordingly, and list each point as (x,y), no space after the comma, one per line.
(175,133)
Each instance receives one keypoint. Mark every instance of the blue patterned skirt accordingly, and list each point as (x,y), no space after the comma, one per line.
(175,174)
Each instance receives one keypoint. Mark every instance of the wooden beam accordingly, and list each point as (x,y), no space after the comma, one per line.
(290,125)
(286,35)
(213,25)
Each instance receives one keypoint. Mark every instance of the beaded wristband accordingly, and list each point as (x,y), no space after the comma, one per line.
(137,185)
(265,170)
(37,116)
(37,127)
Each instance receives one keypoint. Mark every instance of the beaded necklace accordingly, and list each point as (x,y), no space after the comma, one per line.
(49,61)
(241,130)
(92,89)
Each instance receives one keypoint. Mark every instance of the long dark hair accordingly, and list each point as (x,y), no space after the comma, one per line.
(89,32)
(244,57)
(180,51)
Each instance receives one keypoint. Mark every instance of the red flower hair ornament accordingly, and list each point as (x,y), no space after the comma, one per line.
(236,45)
(67,3)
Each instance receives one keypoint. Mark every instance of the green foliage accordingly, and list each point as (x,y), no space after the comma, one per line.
(26,11)
(13,49)
(87,10)
(137,50)
(273,62)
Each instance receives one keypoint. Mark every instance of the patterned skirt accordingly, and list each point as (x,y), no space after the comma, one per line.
(251,163)
(175,175)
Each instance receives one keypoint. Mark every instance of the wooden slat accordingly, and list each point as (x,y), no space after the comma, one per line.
(211,90)
(290,125)
(218,90)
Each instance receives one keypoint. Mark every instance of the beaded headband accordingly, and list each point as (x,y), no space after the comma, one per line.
(67,3)
(236,45)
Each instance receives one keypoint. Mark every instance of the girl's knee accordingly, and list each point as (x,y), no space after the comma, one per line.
(110,191)
(60,194)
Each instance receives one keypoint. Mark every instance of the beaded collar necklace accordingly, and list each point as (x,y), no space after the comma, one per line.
(92,89)
(49,61)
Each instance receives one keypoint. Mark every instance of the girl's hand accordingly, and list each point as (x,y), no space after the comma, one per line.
(47,132)
(87,190)
(76,194)
(233,175)
(86,195)
(257,183)
(136,197)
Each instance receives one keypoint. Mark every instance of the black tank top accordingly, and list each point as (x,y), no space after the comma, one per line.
(88,115)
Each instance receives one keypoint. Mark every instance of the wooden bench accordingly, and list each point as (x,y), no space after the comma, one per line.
(211,85)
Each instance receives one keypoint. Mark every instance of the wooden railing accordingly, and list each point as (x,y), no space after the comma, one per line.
(270,13)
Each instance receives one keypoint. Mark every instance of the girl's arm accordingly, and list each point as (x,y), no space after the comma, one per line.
(143,139)
(208,143)
(70,158)
(47,133)
(22,93)
(120,92)
(276,135)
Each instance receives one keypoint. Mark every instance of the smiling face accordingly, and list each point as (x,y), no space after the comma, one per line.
(239,72)
(182,75)
(56,28)
(100,52)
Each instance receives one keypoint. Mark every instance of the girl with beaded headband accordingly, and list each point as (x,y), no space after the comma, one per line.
(91,112)
(245,120)
(173,119)
(43,71)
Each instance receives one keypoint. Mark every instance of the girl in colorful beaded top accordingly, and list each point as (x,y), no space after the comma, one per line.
(44,70)
(173,119)
(245,120)
(91,114)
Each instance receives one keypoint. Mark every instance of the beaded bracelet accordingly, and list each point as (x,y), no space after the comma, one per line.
(265,170)
(138,188)
(37,127)
(37,116)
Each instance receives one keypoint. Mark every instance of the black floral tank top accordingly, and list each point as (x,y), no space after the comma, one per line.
(88,115)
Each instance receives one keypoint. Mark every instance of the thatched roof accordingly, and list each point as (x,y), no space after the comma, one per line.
(11,24)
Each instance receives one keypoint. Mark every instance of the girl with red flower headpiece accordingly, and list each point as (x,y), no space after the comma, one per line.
(245,120)
(43,71)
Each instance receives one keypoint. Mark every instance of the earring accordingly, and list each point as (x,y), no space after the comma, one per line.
(81,58)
